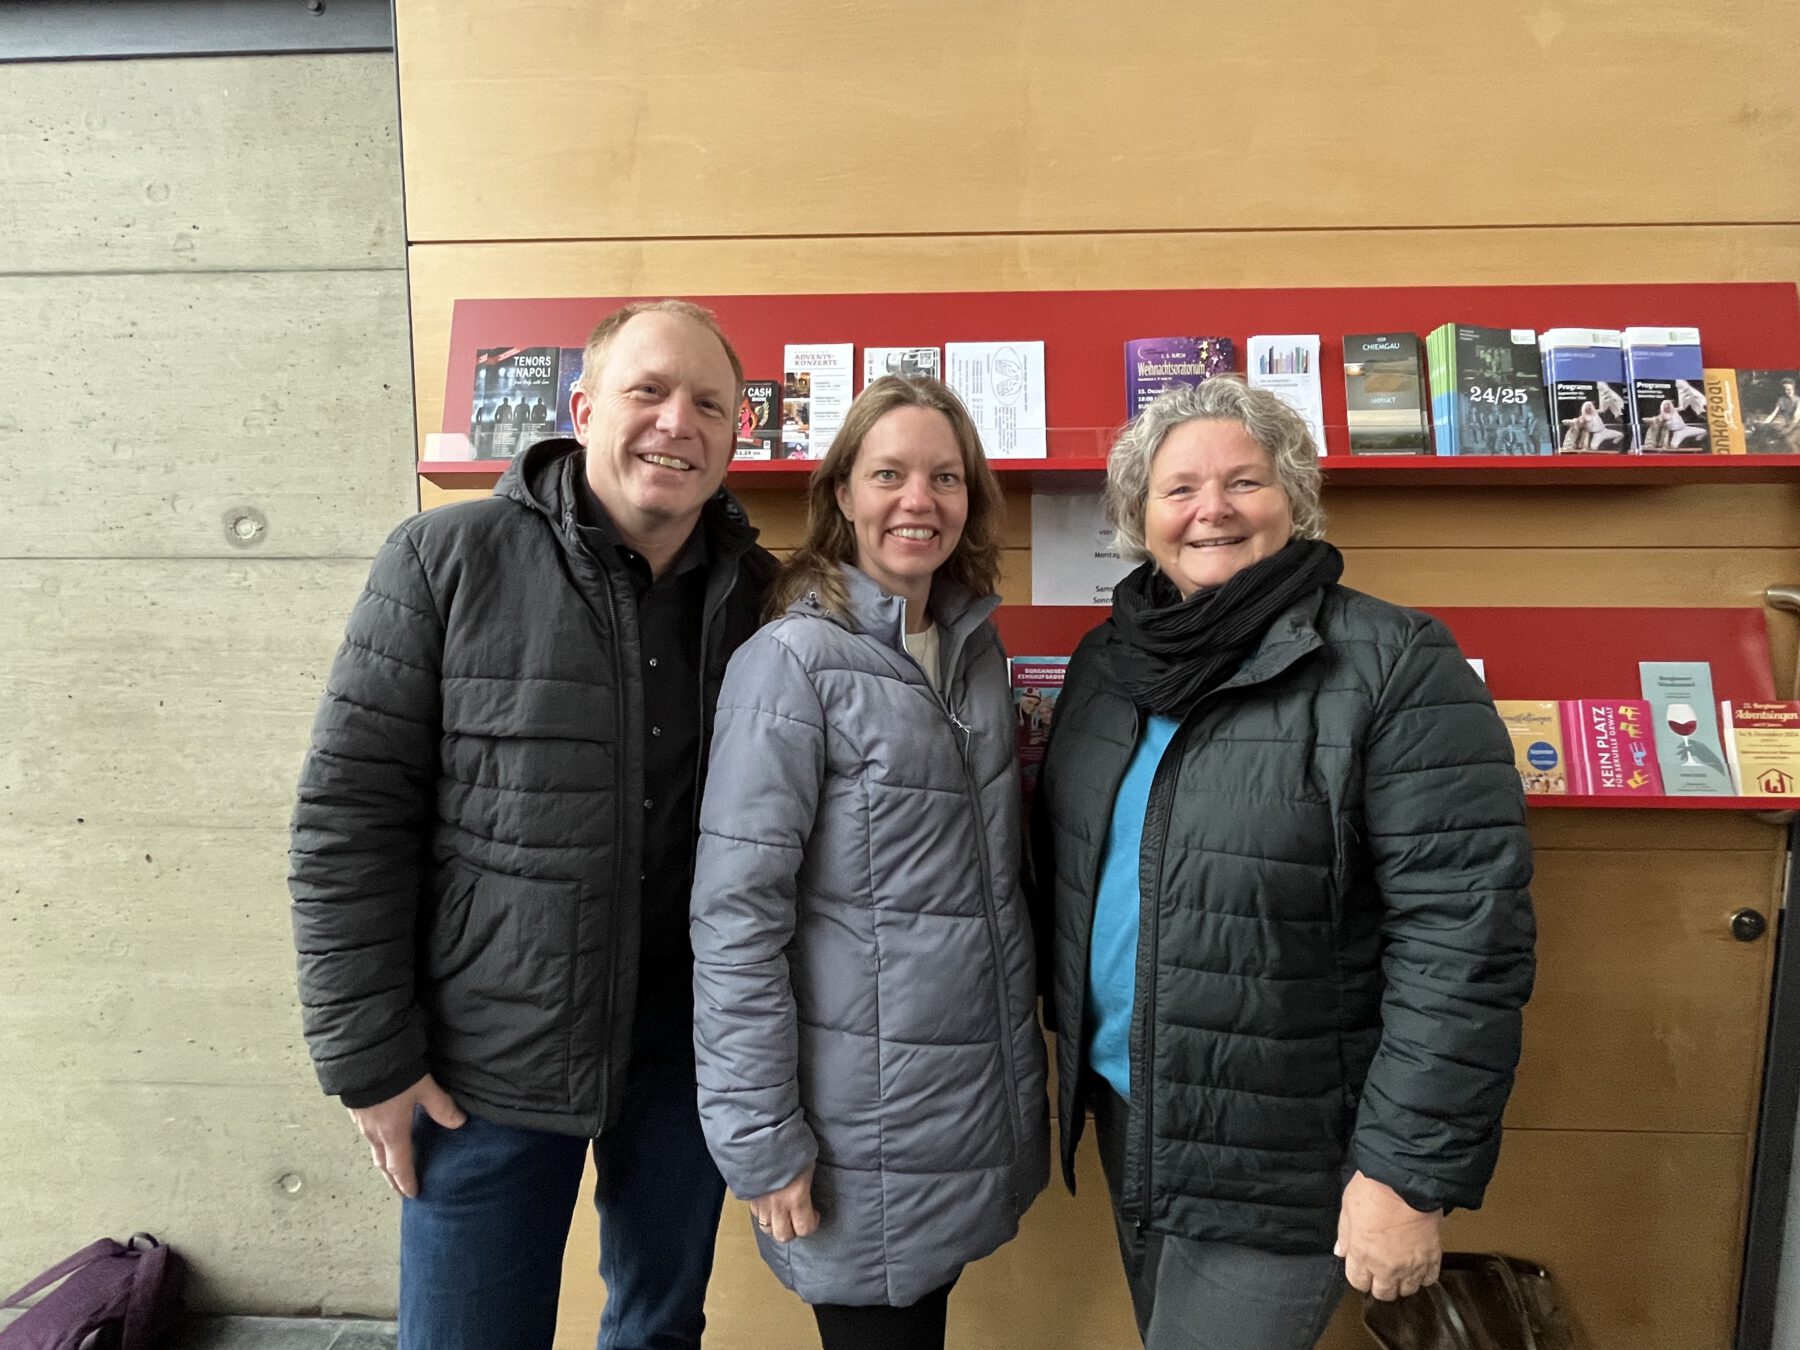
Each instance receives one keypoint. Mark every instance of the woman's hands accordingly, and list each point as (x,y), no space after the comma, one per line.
(1389,1248)
(787,1213)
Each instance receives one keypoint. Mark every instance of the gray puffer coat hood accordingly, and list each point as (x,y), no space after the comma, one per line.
(863,977)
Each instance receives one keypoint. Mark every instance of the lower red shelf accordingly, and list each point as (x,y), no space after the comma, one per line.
(1540,653)
(1535,800)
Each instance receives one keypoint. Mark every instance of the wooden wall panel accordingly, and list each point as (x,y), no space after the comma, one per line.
(1648,575)
(1620,1221)
(1648,1015)
(1639,831)
(1057,1286)
(1739,516)
(1640,1231)
(814,118)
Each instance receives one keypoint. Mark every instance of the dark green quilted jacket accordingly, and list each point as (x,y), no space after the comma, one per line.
(1336,933)
(463,871)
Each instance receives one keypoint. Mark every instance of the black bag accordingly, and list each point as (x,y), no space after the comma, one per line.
(1480,1302)
(112,1296)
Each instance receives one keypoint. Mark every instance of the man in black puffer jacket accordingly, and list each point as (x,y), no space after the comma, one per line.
(494,844)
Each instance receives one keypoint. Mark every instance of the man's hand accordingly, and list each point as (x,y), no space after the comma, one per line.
(1389,1249)
(388,1128)
(787,1213)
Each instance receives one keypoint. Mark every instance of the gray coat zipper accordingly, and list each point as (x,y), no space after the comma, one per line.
(989,905)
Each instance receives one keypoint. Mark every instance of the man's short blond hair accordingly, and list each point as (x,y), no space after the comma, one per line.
(608,329)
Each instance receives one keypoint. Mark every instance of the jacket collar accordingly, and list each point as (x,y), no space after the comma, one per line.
(877,614)
(1294,634)
(543,480)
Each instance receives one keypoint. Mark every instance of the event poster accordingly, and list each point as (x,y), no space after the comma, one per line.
(1074,550)
(815,394)
(1002,385)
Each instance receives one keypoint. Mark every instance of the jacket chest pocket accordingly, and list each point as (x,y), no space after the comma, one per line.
(499,962)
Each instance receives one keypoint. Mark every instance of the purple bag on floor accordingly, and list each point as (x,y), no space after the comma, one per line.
(113,1296)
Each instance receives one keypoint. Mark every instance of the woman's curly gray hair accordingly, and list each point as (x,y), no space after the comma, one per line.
(1277,428)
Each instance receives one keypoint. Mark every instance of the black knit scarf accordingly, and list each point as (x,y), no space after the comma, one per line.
(1176,650)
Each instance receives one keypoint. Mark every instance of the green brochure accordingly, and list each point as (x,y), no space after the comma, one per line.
(1686,719)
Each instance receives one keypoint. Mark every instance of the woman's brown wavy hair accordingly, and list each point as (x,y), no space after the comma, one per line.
(814,566)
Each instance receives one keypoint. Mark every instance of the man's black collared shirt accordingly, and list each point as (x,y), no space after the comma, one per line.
(670,612)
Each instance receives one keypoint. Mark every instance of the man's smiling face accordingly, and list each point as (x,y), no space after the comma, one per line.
(656,419)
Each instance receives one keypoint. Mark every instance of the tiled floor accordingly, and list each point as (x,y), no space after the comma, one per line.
(276,1333)
(285,1333)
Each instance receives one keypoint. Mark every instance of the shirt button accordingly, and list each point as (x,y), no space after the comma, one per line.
(653,663)
(649,804)
(656,731)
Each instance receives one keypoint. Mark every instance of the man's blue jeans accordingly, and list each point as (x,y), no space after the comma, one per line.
(481,1248)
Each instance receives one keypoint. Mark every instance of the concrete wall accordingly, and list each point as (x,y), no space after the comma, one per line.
(205,433)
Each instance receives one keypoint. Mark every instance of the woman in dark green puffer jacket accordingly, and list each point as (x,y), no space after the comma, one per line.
(1283,870)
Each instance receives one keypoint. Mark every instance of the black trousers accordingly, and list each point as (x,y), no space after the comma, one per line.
(1193,1295)
(918,1327)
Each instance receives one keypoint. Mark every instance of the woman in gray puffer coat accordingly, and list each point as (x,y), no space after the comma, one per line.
(870,1066)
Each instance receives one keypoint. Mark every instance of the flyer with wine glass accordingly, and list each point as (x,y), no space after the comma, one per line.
(1680,696)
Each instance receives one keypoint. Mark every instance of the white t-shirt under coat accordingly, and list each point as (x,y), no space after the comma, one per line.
(923,648)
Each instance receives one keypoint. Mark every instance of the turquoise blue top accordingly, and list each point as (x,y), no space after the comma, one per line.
(1112,955)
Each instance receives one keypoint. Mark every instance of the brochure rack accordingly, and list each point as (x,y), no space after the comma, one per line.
(1340,471)
(1576,652)
(1742,324)
(1529,653)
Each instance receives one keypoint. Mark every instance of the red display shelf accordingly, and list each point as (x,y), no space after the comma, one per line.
(774,472)
(1340,471)
(1526,470)
(1562,653)
(1565,653)
(1664,803)
(1753,325)
(1744,324)
(798,469)
(462,468)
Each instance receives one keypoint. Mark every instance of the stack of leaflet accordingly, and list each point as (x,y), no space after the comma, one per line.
(1584,371)
(1668,391)
(1153,366)
(1487,391)
(1665,743)
(1384,394)
(1287,365)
